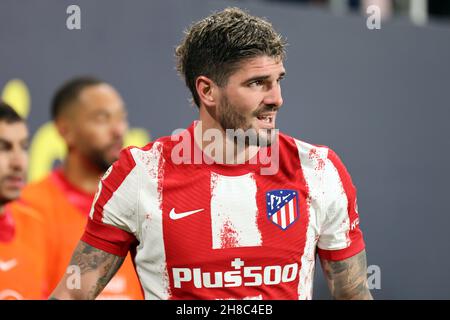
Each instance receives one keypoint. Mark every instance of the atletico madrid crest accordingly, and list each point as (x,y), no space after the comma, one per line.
(282,207)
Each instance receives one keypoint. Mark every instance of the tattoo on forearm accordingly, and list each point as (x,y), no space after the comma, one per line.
(90,259)
(347,279)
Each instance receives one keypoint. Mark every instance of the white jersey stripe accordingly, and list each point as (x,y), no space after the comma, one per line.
(154,277)
(291,211)
(283,217)
(313,178)
(234,211)
(275,217)
(122,202)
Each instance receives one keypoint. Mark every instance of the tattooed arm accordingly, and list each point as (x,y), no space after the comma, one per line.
(96,268)
(347,279)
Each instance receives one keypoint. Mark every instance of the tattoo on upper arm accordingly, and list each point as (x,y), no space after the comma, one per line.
(347,279)
(91,259)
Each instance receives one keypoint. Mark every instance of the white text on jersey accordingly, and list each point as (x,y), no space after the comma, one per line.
(241,276)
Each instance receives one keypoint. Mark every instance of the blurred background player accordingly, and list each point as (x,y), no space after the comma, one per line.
(90,116)
(22,246)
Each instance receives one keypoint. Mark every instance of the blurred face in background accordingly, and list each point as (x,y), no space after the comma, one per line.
(94,127)
(13,159)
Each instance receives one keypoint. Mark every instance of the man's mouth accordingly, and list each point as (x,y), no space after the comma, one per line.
(15,181)
(116,147)
(267,119)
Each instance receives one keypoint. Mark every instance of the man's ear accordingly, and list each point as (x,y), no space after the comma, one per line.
(65,129)
(207,91)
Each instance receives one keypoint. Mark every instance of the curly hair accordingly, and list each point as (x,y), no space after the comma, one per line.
(216,45)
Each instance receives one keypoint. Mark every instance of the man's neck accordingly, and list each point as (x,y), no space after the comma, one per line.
(81,173)
(229,151)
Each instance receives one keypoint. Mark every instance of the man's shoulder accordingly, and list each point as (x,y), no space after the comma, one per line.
(42,195)
(305,149)
(39,190)
(153,152)
(24,212)
(322,159)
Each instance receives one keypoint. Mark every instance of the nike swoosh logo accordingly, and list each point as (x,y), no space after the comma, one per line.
(7,265)
(175,216)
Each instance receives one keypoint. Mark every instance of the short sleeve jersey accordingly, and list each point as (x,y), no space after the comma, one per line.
(202,230)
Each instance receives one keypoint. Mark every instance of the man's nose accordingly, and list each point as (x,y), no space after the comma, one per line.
(274,96)
(19,159)
(119,128)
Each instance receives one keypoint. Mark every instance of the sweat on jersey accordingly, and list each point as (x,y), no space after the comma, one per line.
(222,231)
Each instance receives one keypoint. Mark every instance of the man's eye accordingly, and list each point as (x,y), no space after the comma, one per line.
(256,83)
(101,118)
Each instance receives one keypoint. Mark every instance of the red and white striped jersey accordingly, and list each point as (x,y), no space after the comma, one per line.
(218,231)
